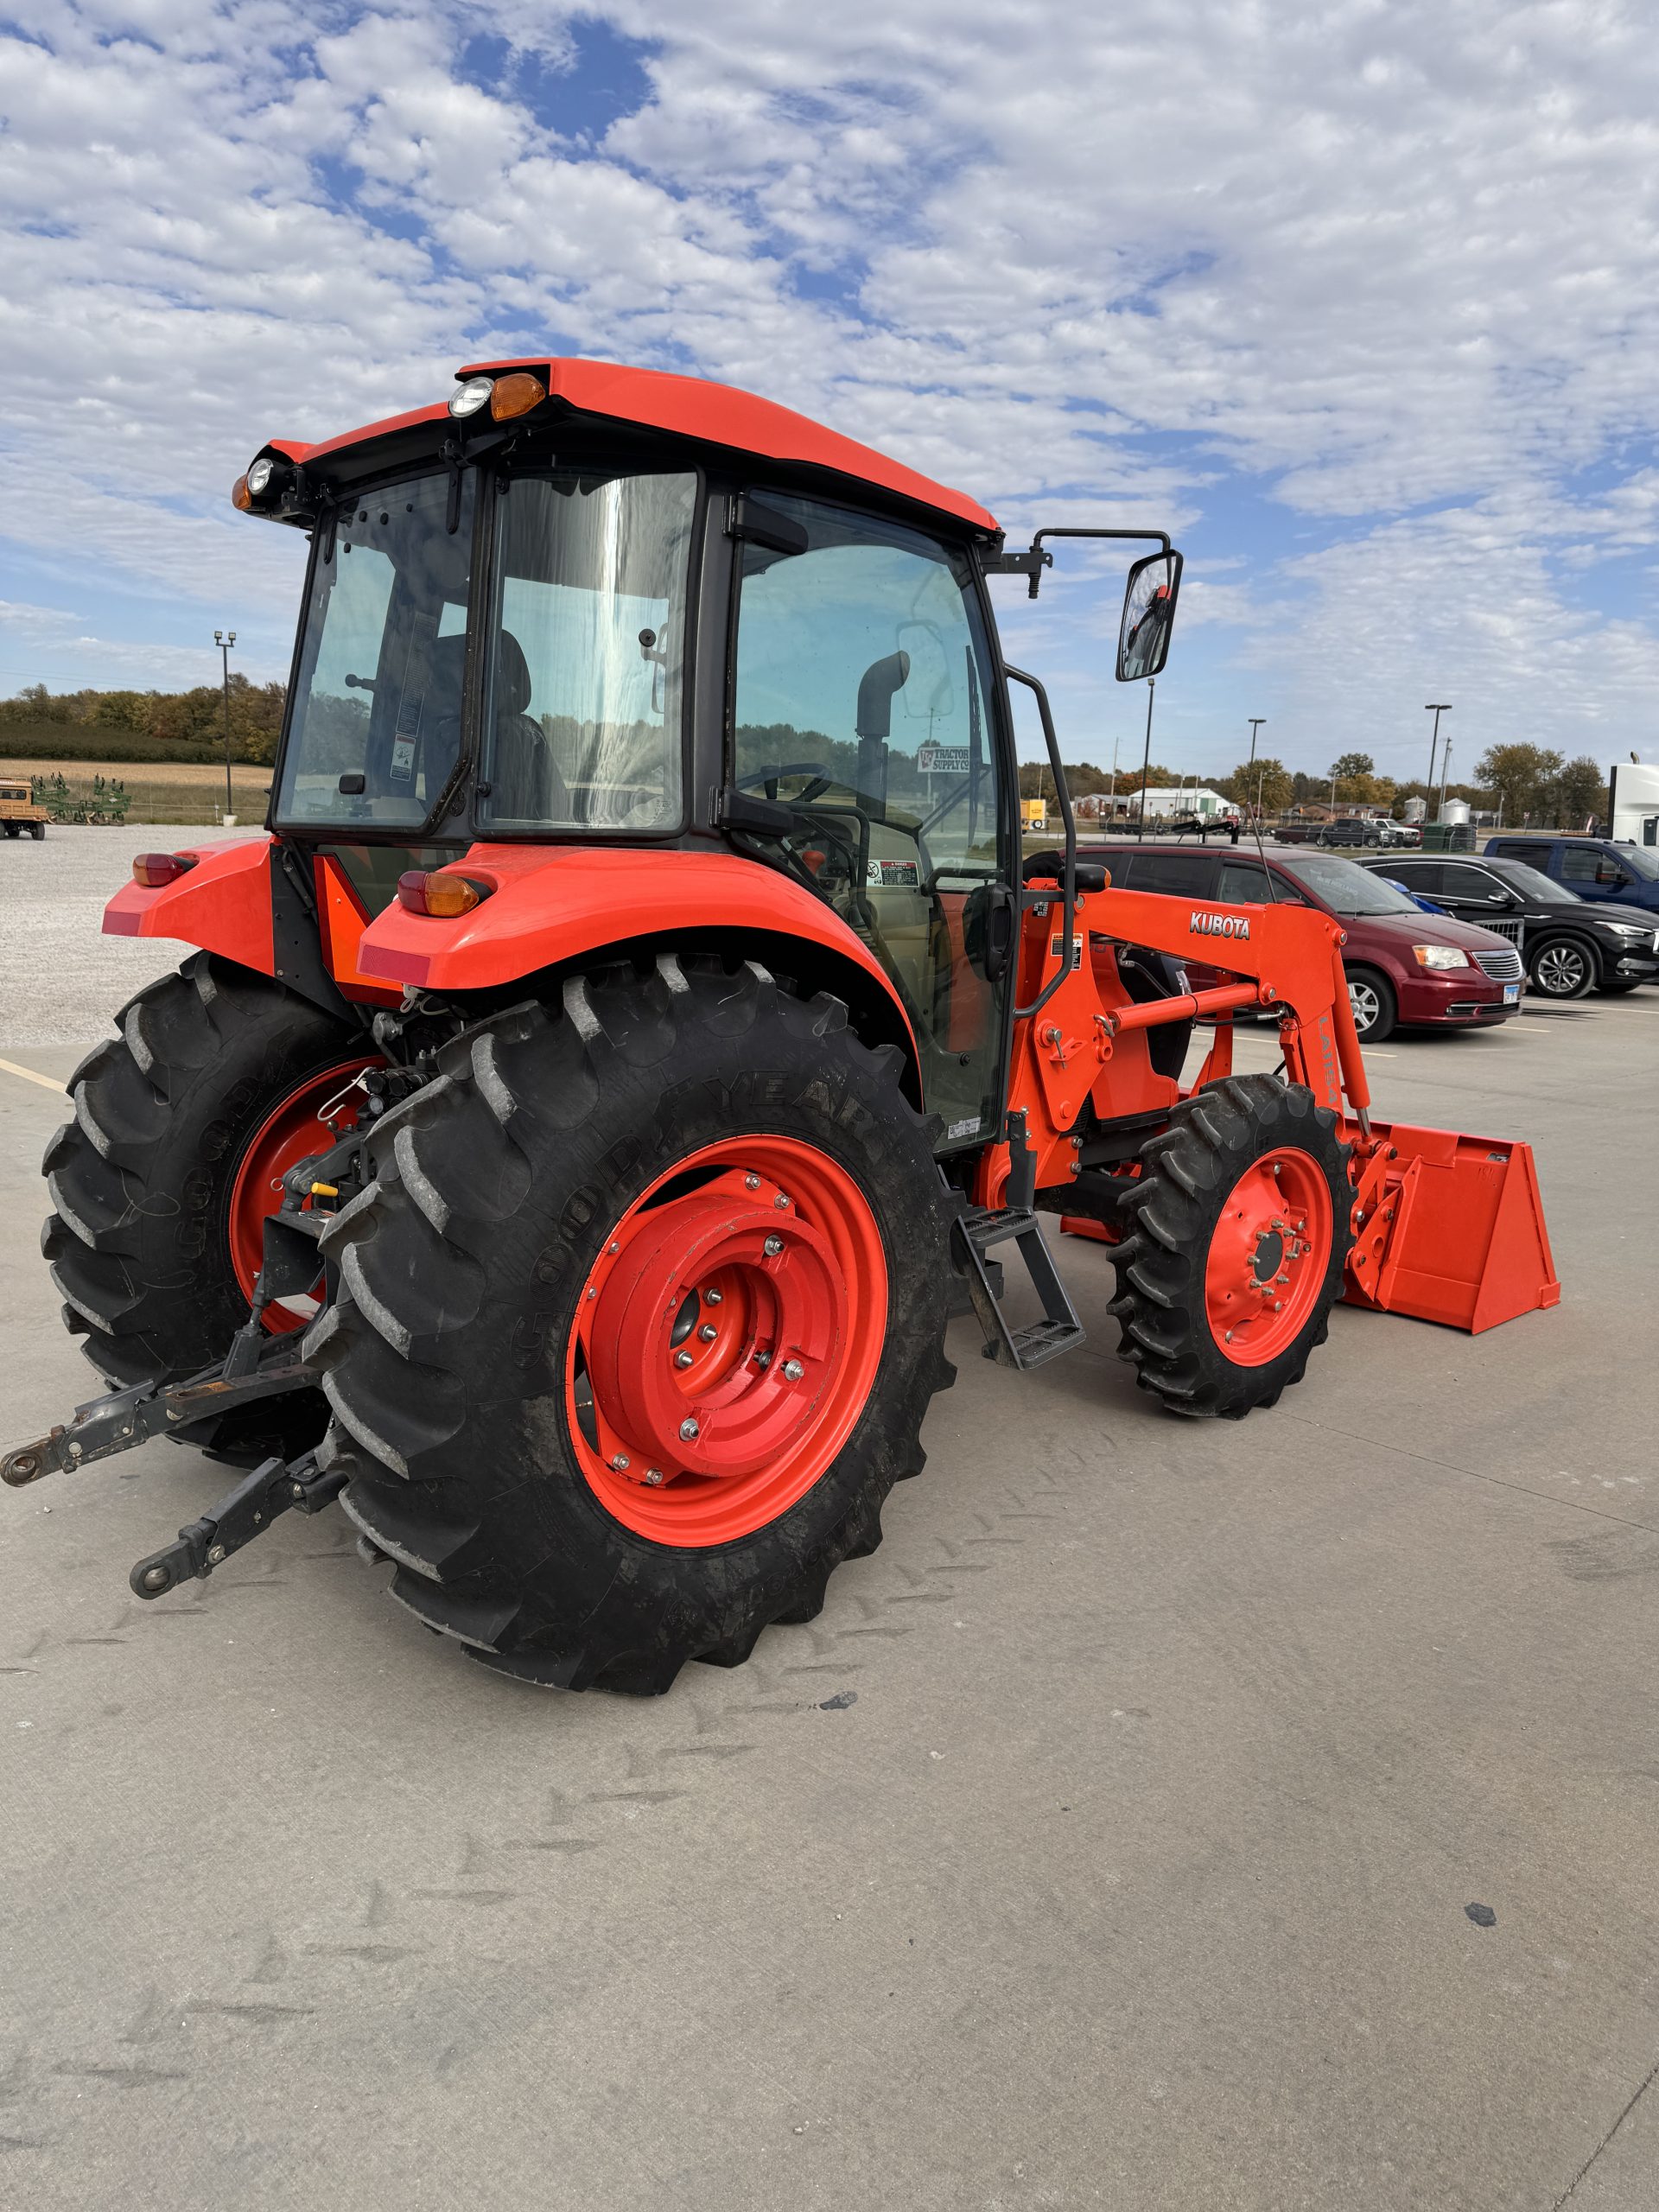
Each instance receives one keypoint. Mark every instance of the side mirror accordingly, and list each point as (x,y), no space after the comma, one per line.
(1149,616)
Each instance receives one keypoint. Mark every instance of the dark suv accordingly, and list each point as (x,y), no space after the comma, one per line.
(1569,946)
(1594,868)
(1402,965)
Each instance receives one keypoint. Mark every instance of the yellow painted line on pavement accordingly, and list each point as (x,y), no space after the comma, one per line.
(32,1075)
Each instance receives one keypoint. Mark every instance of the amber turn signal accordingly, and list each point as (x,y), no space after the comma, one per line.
(516,395)
(240,496)
(440,893)
(154,869)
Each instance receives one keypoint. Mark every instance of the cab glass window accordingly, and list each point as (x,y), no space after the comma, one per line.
(583,700)
(862,705)
(374,733)
(1579,864)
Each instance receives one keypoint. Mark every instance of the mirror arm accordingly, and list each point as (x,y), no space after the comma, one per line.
(1034,560)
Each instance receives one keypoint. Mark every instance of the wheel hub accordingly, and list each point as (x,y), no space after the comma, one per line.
(316,1113)
(1269,1254)
(748,1366)
(728,1335)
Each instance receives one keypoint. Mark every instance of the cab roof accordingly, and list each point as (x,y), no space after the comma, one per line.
(690,407)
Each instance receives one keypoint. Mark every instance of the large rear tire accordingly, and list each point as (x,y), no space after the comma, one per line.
(141,1241)
(637,1323)
(1236,1234)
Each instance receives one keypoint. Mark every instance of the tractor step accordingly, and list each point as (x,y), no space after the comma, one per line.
(974,1233)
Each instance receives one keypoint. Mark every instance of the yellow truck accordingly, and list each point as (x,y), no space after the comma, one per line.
(18,812)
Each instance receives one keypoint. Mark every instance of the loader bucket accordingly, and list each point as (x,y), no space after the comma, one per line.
(1456,1233)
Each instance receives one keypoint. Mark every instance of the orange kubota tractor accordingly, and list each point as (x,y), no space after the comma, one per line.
(637,1030)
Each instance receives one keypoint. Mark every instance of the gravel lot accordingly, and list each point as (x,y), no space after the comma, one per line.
(1134,1874)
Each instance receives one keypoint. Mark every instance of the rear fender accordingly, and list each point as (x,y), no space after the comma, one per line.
(241,901)
(551,907)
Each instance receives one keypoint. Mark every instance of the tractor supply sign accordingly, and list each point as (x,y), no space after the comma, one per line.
(1202,924)
(942,759)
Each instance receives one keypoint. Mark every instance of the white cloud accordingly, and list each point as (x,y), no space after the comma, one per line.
(1392,270)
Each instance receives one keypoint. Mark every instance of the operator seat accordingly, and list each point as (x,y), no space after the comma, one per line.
(526,784)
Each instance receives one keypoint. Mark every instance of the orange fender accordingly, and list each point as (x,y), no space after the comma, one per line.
(223,904)
(552,904)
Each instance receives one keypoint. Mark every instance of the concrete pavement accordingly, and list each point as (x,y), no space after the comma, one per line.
(1106,1842)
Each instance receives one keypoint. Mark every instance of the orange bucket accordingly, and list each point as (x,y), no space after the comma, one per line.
(1456,1233)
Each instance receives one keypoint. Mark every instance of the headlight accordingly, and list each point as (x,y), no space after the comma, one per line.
(1629,929)
(259,476)
(1439,955)
(473,394)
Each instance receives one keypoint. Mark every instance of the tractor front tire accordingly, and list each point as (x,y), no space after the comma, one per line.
(637,1323)
(141,1179)
(1237,1234)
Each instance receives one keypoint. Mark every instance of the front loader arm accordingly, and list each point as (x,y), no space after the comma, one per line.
(1447,1228)
(1284,956)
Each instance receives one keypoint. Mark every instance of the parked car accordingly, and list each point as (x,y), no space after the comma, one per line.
(1593,867)
(1408,835)
(1350,830)
(1401,967)
(1300,831)
(1569,946)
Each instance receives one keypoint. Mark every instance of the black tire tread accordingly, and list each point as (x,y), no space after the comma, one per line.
(1187,1170)
(401,1342)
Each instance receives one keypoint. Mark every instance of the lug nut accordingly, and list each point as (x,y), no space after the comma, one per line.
(620,1461)
(612,1250)
(780,1202)
(708,1332)
(682,1360)
(714,1298)
(1277,1305)
(751,1182)
(653,1478)
(793,1370)
(689,1431)
(763,1361)
(772,1247)
(1229,1337)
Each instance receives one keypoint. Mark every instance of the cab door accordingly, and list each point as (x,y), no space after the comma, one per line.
(864,701)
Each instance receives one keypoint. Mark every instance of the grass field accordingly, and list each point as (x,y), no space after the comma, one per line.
(171,790)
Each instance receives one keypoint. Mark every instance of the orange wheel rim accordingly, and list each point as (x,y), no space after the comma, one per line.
(727,1340)
(1269,1256)
(309,1118)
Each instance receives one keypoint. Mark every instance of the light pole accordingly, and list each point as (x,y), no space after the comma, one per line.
(225,644)
(1436,709)
(1146,757)
(1256,721)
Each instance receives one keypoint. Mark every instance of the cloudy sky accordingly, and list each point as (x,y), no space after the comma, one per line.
(1361,300)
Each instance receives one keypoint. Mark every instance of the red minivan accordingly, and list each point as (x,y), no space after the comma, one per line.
(1404,966)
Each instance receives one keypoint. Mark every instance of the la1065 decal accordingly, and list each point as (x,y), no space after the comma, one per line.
(1202,924)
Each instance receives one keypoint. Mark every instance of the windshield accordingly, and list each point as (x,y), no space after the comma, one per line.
(375,731)
(582,727)
(1644,864)
(1345,886)
(1532,884)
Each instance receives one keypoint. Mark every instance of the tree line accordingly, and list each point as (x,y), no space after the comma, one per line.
(145,724)
(1533,785)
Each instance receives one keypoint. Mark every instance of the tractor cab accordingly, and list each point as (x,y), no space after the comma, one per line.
(589,608)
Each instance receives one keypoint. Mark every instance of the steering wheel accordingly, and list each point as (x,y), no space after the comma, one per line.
(770,776)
